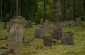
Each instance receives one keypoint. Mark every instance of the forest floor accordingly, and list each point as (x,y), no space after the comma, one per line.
(36,46)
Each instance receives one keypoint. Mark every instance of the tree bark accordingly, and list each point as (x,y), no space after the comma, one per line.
(63,9)
(11,9)
(56,11)
(17,7)
(44,3)
(1,10)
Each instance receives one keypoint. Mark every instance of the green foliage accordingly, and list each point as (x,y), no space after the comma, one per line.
(34,9)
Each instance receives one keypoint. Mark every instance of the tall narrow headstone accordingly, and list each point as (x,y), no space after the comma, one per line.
(57,31)
(41,22)
(16,32)
(78,21)
(47,26)
(5,25)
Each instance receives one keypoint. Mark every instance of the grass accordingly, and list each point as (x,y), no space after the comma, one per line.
(36,46)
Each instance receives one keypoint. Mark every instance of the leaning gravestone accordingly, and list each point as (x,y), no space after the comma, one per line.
(66,23)
(57,31)
(67,38)
(47,42)
(47,26)
(78,21)
(16,32)
(29,24)
(39,33)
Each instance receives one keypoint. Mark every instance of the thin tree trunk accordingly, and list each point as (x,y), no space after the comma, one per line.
(73,9)
(56,18)
(11,8)
(63,9)
(1,10)
(17,7)
(44,9)
(21,7)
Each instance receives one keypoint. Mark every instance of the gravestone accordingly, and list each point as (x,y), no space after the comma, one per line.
(47,42)
(57,31)
(72,23)
(7,52)
(4,53)
(39,33)
(41,22)
(29,24)
(5,25)
(67,38)
(78,21)
(16,32)
(47,26)
(66,23)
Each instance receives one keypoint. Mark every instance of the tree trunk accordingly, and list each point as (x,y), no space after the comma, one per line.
(63,9)
(17,7)
(21,7)
(11,9)
(56,11)
(44,3)
(1,10)
(74,9)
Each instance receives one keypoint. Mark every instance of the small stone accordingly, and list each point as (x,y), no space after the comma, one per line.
(39,33)
(47,42)
(67,38)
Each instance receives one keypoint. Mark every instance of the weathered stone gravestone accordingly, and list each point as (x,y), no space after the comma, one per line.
(29,24)
(72,23)
(66,23)
(41,22)
(39,33)
(47,26)
(78,21)
(16,32)
(67,38)
(5,25)
(47,42)
(57,31)
(4,53)
(7,52)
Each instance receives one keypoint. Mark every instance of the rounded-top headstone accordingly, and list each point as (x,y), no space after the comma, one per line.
(16,32)
(18,20)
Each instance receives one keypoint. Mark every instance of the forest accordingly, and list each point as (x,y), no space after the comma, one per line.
(34,10)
